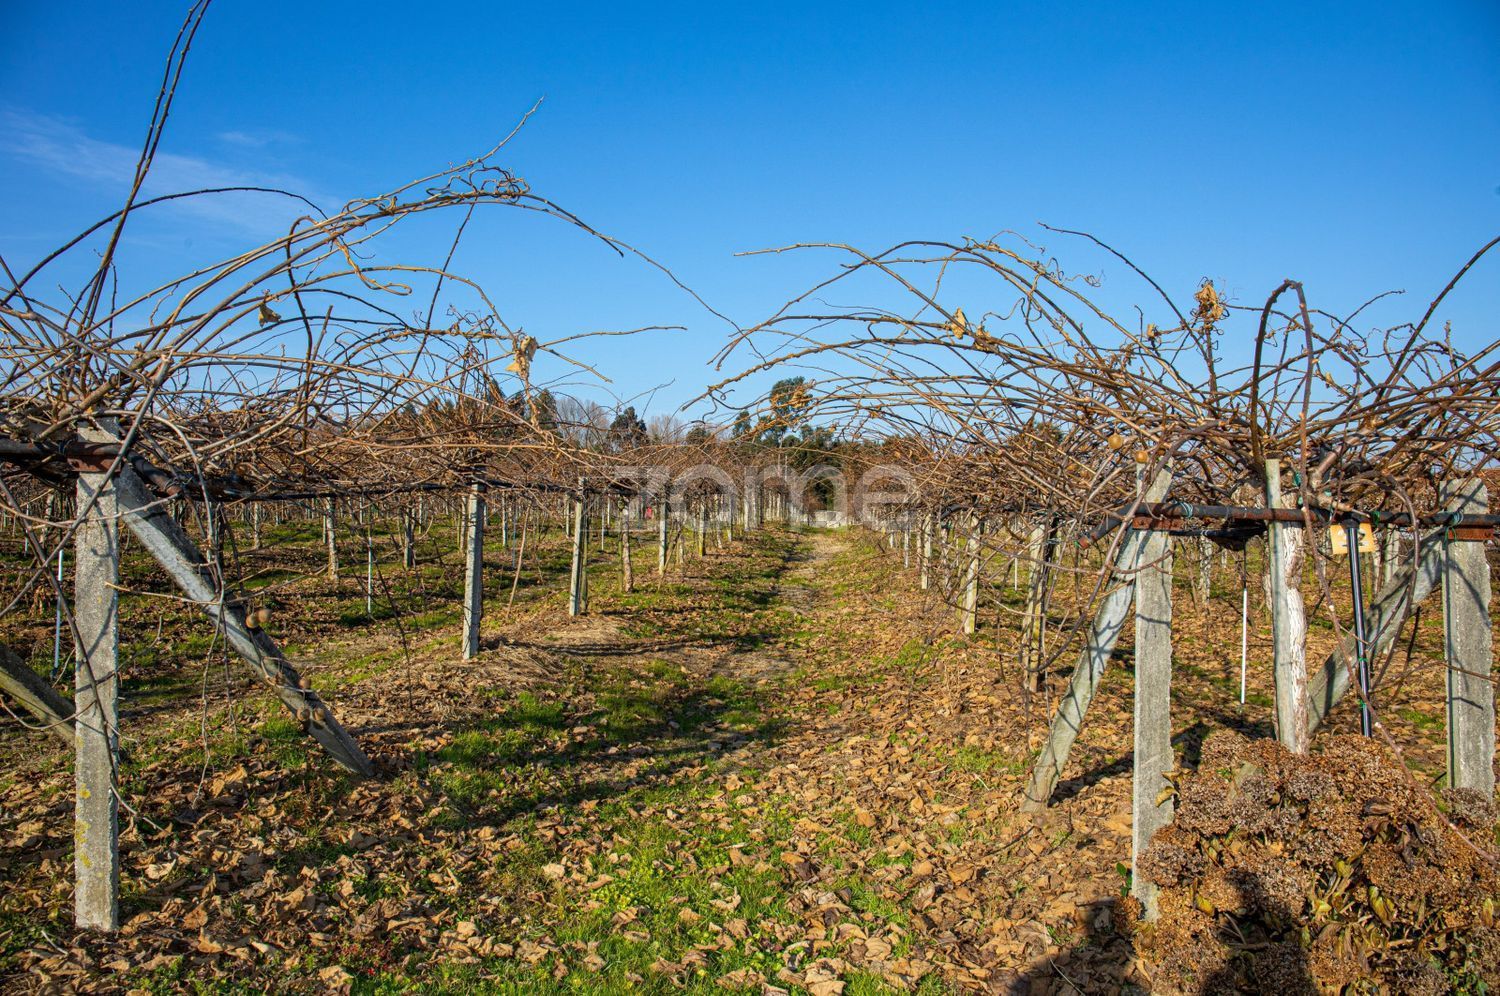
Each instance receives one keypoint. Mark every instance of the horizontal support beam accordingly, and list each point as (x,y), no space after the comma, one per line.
(56,463)
(1168,515)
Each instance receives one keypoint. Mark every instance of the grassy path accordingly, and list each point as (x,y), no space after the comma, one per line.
(776,768)
(578,809)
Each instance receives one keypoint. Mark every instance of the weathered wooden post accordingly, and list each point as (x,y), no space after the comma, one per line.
(703,528)
(578,595)
(96,849)
(473,569)
(1466,632)
(255,525)
(1284,546)
(969,616)
(1153,757)
(1099,643)
(330,536)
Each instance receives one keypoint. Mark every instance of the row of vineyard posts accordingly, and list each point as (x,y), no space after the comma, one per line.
(109,493)
(951,547)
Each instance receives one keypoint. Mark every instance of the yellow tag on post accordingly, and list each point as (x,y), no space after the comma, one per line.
(1338,539)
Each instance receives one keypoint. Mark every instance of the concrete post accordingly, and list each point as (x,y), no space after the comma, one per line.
(1041,549)
(925,563)
(1205,586)
(1466,631)
(408,538)
(154,528)
(329,535)
(1284,545)
(969,616)
(473,569)
(37,697)
(663,523)
(96,857)
(627,569)
(1153,756)
(578,595)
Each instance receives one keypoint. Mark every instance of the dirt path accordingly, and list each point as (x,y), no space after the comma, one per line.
(604,637)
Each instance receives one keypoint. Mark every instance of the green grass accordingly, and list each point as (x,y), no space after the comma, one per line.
(632,751)
(1431,721)
(285,740)
(979,761)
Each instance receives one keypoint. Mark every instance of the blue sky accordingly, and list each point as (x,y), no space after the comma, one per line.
(1353,146)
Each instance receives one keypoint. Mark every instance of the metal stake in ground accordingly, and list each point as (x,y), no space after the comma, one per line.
(1361,644)
(1411,583)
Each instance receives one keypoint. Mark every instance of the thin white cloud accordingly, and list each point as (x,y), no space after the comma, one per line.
(62,148)
(256,138)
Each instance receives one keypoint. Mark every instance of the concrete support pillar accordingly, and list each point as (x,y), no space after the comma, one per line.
(96,857)
(969,613)
(1284,546)
(1467,636)
(578,577)
(1153,756)
(627,569)
(330,537)
(1041,550)
(408,538)
(473,569)
(663,524)
(925,562)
